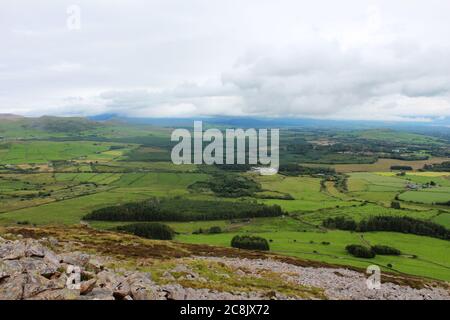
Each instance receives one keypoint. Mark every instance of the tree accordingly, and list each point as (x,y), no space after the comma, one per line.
(395,205)
(250,243)
(360,251)
(215,229)
(152,230)
(386,250)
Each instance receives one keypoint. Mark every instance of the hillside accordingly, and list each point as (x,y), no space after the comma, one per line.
(114,175)
(137,269)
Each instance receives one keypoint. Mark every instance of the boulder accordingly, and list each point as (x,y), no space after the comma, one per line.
(121,290)
(118,284)
(174,292)
(11,267)
(141,286)
(38,265)
(168,276)
(87,286)
(95,265)
(58,294)
(75,258)
(12,251)
(186,272)
(99,294)
(52,259)
(35,284)
(34,249)
(52,241)
(11,288)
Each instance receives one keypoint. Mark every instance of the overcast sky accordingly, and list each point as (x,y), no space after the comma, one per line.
(347,59)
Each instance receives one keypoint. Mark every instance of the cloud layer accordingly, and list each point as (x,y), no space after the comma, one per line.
(375,60)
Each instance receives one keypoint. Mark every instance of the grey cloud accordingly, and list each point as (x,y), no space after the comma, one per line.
(356,59)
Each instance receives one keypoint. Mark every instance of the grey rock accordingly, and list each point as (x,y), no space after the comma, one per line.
(35,284)
(121,289)
(38,265)
(142,287)
(75,258)
(58,294)
(87,286)
(100,294)
(95,264)
(52,259)
(167,275)
(11,267)
(116,283)
(12,250)
(11,288)
(34,249)
(175,292)
(53,241)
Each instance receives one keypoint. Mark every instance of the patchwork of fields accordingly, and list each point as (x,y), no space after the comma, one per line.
(59,182)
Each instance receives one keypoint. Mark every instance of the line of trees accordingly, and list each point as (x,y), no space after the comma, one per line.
(149,230)
(401,168)
(444,166)
(386,250)
(294,169)
(360,251)
(178,209)
(390,223)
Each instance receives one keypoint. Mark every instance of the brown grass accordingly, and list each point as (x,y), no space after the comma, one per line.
(133,249)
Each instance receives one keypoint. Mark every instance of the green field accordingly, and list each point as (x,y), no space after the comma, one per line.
(432,254)
(55,171)
(45,151)
(429,196)
(305,191)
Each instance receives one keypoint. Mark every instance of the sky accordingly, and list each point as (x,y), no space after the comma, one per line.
(347,59)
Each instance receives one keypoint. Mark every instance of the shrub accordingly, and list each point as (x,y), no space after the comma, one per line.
(386,250)
(402,168)
(360,251)
(215,229)
(340,223)
(250,243)
(150,230)
(395,205)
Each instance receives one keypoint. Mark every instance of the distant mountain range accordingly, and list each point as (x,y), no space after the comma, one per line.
(248,122)
(259,122)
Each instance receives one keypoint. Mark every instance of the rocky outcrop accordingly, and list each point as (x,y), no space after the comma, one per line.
(338,283)
(30,270)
